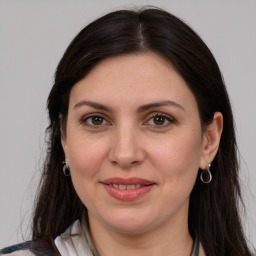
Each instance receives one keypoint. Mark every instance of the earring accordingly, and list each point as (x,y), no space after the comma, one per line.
(66,169)
(206,176)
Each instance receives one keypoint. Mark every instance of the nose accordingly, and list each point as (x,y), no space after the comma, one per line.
(125,150)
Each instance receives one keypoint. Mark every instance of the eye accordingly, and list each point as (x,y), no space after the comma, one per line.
(94,121)
(161,120)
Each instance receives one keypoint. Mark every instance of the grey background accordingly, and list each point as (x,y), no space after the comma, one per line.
(33,37)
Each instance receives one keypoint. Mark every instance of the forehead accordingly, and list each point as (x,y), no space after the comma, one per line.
(133,66)
(134,77)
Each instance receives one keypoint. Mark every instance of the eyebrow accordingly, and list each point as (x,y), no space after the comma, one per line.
(159,104)
(93,105)
(140,109)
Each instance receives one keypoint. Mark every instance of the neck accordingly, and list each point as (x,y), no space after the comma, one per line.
(167,239)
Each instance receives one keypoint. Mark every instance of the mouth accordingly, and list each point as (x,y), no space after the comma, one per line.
(127,189)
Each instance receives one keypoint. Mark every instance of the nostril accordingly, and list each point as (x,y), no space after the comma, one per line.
(126,164)
(125,154)
(135,162)
(114,163)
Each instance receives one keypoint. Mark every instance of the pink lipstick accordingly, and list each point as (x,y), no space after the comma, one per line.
(127,189)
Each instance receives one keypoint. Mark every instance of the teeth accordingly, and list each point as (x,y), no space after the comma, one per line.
(130,187)
(123,187)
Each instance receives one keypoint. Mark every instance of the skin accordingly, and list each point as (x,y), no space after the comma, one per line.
(163,144)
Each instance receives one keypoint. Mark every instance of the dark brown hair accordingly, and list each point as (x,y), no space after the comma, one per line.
(213,210)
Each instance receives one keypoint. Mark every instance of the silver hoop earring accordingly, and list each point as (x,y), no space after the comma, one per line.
(66,169)
(206,176)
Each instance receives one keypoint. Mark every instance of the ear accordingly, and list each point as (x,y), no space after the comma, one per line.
(63,135)
(211,140)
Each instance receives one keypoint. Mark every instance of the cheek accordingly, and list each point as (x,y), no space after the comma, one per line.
(85,155)
(85,160)
(178,158)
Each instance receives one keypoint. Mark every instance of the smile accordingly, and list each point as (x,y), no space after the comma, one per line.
(123,187)
(127,189)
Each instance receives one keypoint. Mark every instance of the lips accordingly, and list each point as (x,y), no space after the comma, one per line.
(122,186)
(127,189)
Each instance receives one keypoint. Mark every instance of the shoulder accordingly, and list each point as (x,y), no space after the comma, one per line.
(29,248)
(17,250)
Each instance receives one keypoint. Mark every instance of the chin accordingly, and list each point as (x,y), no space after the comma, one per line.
(130,223)
(131,228)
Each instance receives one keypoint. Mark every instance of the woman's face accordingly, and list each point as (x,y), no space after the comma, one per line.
(134,143)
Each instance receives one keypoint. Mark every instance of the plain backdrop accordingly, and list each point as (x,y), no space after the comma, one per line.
(33,37)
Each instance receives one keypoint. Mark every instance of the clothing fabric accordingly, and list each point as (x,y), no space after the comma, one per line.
(21,253)
(30,248)
(75,241)
(17,250)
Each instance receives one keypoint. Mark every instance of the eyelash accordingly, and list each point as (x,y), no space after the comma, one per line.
(88,117)
(166,118)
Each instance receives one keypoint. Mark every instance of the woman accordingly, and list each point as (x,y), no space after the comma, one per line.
(142,153)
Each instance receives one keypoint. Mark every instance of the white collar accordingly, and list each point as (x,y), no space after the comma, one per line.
(76,241)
